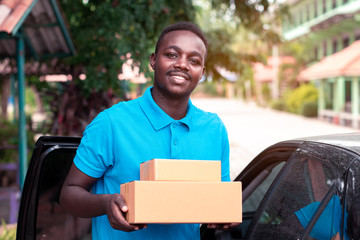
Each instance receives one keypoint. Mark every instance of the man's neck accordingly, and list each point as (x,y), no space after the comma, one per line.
(176,108)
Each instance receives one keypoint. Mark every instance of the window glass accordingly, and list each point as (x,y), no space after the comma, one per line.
(53,222)
(346,42)
(251,204)
(334,3)
(253,201)
(352,219)
(293,200)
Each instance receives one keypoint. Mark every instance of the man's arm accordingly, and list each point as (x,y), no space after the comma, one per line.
(77,199)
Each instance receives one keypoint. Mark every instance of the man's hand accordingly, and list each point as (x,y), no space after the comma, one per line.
(77,199)
(115,210)
(227,226)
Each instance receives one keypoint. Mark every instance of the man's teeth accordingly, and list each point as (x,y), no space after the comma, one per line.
(178,77)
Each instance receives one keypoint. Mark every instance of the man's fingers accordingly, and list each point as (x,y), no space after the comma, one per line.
(223,226)
(117,219)
(120,201)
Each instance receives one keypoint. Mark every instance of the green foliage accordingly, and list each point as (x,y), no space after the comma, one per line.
(7,233)
(105,31)
(30,100)
(279,104)
(302,95)
(266,92)
(220,53)
(210,88)
(309,109)
(9,140)
(254,16)
(299,50)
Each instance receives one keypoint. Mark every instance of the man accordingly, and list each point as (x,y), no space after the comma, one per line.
(162,123)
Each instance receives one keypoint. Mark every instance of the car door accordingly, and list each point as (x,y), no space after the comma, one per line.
(256,179)
(286,181)
(306,201)
(40,215)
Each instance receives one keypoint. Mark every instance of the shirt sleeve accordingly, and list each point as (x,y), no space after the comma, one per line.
(95,152)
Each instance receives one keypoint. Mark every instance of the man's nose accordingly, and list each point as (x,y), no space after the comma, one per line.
(182,63)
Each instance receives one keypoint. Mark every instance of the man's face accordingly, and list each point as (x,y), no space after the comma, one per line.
(179,64)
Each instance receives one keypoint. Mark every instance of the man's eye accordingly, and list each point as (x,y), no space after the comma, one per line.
(195,61)
(171,55)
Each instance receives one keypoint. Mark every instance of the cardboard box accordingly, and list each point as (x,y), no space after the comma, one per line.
(180,170)
(183,202)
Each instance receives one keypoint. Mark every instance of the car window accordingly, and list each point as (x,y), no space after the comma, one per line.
(252,202)
(252,196)
(352,219)
(53,222)
(293,200)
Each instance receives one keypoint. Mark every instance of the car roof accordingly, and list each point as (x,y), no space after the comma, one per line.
(349,141)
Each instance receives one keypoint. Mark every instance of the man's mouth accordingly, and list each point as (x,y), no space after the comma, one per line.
(179,77)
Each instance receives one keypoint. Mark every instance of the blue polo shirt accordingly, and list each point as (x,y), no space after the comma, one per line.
(129,133)
(329,222)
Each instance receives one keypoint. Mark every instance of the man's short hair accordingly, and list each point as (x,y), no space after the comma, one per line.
(188,26)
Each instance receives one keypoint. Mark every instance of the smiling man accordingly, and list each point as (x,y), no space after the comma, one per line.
(163,123)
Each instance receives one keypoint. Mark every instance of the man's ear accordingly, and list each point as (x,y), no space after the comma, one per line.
(152,60)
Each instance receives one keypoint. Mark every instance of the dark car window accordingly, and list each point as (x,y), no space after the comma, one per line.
(293,199)
(263,173)
(53,222)
(252,202)
(352,203)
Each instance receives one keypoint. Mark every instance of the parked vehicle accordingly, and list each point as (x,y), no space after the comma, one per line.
(288,178)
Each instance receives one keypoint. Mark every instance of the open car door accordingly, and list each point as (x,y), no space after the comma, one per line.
(40,214)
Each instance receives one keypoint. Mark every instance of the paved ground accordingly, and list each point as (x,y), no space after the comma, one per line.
(251,129)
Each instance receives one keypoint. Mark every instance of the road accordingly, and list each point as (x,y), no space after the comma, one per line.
(251,129)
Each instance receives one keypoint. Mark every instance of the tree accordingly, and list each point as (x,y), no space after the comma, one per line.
(261,17)
(105,34)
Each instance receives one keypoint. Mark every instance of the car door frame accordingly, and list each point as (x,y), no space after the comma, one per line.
(26,226)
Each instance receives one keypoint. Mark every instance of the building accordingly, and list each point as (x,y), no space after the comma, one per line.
(329,27)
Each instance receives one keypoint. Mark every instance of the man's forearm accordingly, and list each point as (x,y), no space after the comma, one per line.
(82,203)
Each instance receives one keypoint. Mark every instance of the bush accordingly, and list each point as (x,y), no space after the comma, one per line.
(9,141)
(279,104)
(266,92)
(309,109)
(304,94)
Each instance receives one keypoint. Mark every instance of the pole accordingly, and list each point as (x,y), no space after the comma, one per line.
(275,83)
(13,97)
(22,147)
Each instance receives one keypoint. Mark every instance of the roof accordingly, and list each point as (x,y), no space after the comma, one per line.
(343,63)
(42,25)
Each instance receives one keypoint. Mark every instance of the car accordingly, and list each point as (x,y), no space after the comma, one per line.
(290,177)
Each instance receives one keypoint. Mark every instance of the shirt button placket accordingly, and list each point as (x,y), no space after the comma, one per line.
(174,141)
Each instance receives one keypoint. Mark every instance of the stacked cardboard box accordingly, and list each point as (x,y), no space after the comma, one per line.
(182,191)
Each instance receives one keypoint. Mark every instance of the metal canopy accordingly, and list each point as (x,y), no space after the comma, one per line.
(41,24)
(36,29)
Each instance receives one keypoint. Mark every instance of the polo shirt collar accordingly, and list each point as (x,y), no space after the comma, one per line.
(157,117)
